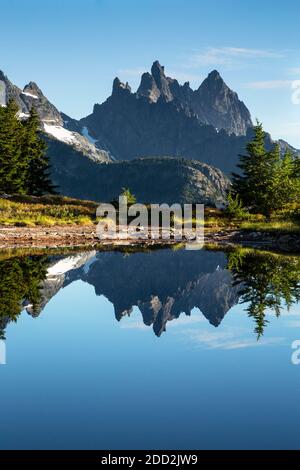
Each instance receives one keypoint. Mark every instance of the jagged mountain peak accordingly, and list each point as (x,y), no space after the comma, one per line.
(221,105)
(164,117)
(214,75)
(120,86)
(148,88)
(52,121)
(156,85)
(32,87)
(2,76)
(162,82)
(214,103)
(213,84)
(157,70)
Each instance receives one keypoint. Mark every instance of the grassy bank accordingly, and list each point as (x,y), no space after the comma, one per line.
(283,222)
(30,211)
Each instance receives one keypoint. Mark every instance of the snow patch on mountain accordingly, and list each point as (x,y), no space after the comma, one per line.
(86,134)
(23,115)
(30,95)
(71,262)
(60,133)
(89,263)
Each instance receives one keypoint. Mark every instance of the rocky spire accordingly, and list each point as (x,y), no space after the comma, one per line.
(157,71)
(162,82)
(32,96)
(214,75)
(221,106)
(118,86)
(32,88)
(148,88)
(2,76)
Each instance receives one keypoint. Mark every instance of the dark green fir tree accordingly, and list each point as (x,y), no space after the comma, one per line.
(12,168)
(38,181)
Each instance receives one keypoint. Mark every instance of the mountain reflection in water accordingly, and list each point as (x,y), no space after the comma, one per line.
(163,284)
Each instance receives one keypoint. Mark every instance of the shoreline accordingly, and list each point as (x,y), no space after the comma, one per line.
(83,236)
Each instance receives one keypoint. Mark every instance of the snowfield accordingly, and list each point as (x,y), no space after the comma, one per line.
(60,133)
(71,262)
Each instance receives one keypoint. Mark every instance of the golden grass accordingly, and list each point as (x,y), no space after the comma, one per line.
(288,226)
(46,211)
(284,221)
(30,211)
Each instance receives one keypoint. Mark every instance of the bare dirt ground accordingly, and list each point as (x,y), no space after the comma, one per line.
(76,236)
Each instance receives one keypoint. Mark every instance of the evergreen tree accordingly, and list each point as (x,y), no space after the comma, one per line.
(267,181)
(24,166)
(251,182)
(34,155)
(285,183)
(12,169)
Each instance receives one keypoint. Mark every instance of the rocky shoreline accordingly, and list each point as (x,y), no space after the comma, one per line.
(77,236)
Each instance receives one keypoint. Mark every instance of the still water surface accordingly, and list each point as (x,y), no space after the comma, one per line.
(159,350)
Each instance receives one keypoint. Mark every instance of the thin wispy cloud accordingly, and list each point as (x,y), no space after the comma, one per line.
(214,56)
(228,339)
(288,129)
(269,84)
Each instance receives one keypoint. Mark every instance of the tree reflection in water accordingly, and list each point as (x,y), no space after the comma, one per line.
(268,281)
(20,281)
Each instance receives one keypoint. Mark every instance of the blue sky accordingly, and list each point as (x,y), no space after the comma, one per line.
(73,49)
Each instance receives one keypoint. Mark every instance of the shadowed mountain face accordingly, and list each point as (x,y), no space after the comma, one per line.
(214,102)
(155,180)
(164,118)
(220,106)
